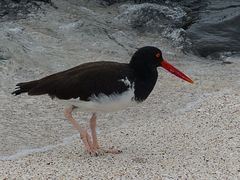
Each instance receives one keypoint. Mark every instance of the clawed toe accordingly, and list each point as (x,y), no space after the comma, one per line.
(96,153)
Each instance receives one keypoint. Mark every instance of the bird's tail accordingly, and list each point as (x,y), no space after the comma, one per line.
(24,87)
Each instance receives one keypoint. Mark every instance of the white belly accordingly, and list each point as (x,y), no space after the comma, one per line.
(104,103)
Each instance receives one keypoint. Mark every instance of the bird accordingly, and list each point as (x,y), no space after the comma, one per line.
(102,86)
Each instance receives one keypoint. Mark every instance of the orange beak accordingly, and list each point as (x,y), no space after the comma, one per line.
(175,71)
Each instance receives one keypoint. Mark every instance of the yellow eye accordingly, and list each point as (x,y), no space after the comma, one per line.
(158,55)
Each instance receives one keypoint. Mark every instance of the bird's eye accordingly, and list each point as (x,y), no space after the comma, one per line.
(158,55)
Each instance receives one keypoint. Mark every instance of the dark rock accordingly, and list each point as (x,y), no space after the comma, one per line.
(215,33)
(18,9)
(153,18)
(148,16)
(109,2)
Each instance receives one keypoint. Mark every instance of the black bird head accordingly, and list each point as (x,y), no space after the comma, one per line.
(148,58)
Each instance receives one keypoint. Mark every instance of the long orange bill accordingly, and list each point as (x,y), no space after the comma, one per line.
(175,71)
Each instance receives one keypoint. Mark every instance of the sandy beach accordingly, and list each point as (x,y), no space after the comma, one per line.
(181,131)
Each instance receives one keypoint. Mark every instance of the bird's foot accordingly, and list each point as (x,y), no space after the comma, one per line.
(98,152)
(92,153)
(91,148)
(95,152)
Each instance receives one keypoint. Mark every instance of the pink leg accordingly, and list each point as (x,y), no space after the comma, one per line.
(96,147)
(93,130)
(90,143)
(83,132)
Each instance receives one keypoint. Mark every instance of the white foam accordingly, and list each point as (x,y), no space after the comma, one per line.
(25,152)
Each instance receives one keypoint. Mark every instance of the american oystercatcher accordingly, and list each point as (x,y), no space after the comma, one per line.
(102,87)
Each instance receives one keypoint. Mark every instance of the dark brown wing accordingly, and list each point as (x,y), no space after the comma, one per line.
(85,80)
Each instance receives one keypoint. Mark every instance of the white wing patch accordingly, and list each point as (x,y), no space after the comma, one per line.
(127,82)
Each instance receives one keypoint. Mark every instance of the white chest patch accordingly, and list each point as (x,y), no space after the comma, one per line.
(104,103)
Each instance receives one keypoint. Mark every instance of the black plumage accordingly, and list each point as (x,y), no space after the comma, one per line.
(94,78)
(81,82)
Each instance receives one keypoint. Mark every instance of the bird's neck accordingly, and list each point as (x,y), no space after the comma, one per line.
(141,69)
(144,83)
